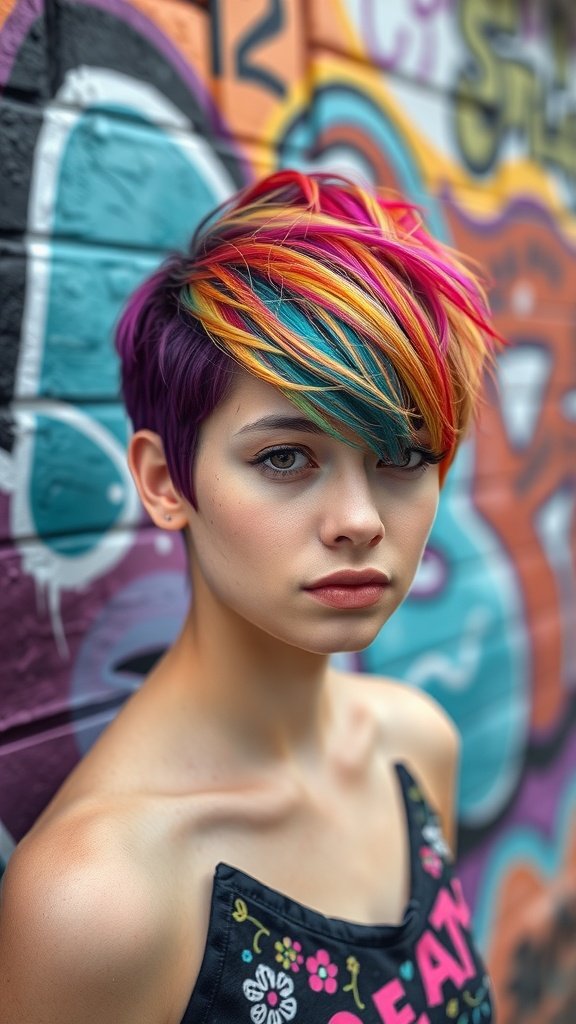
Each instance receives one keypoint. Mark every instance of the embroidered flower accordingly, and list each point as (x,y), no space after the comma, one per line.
(434,837)
(322,973)
(271,995)
(478,1001)
(289,954)
(431,862)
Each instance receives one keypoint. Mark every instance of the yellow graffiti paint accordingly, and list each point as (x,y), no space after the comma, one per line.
(501,94)
(441,172)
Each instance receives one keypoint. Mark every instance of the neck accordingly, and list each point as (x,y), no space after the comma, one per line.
(263,697)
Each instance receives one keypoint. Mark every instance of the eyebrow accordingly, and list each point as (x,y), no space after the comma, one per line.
(266,423)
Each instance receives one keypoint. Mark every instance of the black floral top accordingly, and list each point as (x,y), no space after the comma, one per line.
(271,960)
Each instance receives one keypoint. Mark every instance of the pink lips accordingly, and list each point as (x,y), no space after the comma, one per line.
(350,588)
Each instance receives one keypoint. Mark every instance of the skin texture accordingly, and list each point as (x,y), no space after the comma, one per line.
(243,744)
(259,537)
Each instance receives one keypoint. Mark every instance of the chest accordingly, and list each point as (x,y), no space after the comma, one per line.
(341,849)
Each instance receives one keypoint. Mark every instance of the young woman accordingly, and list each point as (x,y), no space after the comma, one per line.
(259,837)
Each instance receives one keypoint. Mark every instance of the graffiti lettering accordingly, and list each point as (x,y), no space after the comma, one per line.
(405,36)
(503,92)
(215,38)
(269,24)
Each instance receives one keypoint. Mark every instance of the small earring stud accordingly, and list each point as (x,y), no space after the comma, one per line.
(167,517)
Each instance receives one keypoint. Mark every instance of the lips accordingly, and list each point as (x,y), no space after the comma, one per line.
(351,578)
(350,589)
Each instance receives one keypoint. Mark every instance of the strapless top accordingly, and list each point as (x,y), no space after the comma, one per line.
(269,959)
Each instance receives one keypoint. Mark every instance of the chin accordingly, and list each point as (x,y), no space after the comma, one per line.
(342,641)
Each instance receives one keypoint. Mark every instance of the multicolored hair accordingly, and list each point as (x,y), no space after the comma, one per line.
(332,293)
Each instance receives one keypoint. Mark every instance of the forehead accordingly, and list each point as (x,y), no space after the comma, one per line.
(254,410)
(251,397)
(249,400)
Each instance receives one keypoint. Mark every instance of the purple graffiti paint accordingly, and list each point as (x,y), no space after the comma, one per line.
(14,32)
(535,807)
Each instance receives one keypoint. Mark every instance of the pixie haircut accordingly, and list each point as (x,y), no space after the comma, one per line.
(335,295)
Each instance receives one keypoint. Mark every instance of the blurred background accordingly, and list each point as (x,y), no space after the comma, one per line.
(123,122)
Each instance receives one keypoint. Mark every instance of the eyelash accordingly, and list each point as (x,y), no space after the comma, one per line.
(428,459)
(261,459)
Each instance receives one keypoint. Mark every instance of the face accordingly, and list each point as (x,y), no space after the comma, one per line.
(282,506)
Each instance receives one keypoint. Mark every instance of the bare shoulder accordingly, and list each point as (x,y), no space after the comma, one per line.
(415,729)
(422,725)
(413,722)
(81,918)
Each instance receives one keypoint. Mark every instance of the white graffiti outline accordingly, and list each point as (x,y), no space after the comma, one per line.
(54,572)
(456,672)
(523,374)
(81,88)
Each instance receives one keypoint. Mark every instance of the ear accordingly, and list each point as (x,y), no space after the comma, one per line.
(147,461)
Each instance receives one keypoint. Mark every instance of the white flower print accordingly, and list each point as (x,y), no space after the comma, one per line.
(433,835)
(271,994)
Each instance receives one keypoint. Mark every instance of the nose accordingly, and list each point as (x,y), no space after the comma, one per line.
(351,515)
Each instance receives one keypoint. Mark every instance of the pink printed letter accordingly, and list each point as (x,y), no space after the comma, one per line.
(436,963)
(386,1000)
(450,912)
(437,966)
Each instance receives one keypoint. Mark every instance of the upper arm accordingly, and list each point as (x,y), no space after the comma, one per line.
(77,943)
(436,753)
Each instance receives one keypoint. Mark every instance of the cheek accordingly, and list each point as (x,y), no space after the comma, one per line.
(416,519)
(241,526)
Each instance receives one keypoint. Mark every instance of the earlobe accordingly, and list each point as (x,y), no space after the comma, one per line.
(147,462)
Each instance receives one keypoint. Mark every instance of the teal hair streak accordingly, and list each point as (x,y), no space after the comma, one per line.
(330,398)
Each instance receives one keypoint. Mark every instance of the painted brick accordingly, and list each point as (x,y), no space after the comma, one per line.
(12,288)
(118,129)
(111,185)
(71,473)
(127,40)
(74,296)
(24,49)
(19,127)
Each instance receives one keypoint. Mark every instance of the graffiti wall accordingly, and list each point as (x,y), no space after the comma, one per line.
(122,122)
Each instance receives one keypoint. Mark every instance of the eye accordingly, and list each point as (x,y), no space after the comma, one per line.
(414,459)
(284,461)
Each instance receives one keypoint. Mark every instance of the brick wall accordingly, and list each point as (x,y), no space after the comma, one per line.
(121,124)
